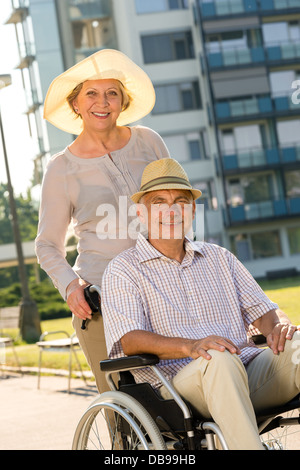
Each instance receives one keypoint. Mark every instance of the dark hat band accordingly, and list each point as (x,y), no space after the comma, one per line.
(165,180)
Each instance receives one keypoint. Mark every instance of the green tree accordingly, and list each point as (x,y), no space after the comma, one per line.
(28,219)
(27,215)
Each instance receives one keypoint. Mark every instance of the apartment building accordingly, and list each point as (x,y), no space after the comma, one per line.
(252,51)
(222,72)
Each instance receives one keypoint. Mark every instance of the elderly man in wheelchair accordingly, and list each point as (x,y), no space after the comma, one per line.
(176,314)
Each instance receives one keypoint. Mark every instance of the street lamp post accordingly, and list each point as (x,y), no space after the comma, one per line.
(30,328)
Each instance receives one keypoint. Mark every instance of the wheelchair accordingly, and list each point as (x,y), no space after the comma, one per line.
(133,416)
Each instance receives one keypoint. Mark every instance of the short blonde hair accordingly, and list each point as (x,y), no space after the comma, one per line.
(126,98)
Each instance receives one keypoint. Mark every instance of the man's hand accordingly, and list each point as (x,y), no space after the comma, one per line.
(200,347)
(278,336)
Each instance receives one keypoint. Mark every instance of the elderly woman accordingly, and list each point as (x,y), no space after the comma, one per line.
(86,183)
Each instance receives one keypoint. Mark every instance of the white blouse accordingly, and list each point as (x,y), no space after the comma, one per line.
(94,195)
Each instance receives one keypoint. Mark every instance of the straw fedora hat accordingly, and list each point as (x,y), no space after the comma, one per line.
(165,173)
(104,64)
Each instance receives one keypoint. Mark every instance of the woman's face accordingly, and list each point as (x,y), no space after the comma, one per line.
(99,103)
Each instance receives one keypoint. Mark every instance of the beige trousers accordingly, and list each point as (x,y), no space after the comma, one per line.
(92,342)
(222,388)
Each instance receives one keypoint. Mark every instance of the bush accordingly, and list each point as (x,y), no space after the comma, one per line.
(49,301)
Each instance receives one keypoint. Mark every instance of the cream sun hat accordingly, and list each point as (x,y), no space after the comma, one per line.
(165,173)
(104,64)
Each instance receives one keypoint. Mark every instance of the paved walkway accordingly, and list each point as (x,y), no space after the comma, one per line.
(44,419)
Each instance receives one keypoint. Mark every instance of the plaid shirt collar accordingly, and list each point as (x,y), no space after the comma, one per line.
(147,252)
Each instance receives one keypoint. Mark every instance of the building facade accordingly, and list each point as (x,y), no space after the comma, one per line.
(223,72)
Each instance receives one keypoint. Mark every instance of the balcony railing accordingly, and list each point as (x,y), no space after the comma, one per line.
(257,105)
(245,56)
(257,211)
(260,157)
(80,9)
(215,8)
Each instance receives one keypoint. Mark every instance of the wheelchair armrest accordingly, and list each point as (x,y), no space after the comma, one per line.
(129,362)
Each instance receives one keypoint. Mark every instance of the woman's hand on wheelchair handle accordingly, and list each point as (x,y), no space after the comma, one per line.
(76,300)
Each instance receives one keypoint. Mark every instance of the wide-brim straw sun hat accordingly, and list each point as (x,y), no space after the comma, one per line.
(104,64)
(165,173)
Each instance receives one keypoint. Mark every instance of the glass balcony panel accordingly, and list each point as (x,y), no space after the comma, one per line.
(281,103)
(237,214)
(223,110)
(222,8)
(237,108)
(266,209)
(251,106)
(208,9)
(91,9)
(288,154)
(258,157)
(237,6)
(272,156)
(274,53)
(264,104)
(230,57)
(251,211)
(280,208)
(294,204)
(279,4)
(243,56)
(267,4)
(244,159)
(215,59)
(288,51)
(230,162)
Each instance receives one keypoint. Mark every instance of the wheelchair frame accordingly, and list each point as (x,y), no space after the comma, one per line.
(159,417)
(188,436)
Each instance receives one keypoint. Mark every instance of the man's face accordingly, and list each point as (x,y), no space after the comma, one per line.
(168,214)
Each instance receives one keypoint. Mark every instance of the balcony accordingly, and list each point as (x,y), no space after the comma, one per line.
(254,107)
(265,210)
(241,57)
(260,158)
(222,8)
(33,101)
(80,9)
(27,55)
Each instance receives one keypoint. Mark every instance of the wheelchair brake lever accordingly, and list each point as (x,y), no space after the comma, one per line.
(92,296)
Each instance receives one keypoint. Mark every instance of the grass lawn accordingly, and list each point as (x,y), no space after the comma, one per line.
(29,353)
(286,293)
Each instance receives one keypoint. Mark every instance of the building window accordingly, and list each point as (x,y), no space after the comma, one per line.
(155,6)
(167,47)
(92,34)
(177,97)
(209,197)
(187,147)
(294,240)
(289,133)
(251,189)
(259,245)
(265,244)
(292,182)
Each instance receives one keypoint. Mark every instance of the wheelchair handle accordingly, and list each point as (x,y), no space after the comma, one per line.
(92,294)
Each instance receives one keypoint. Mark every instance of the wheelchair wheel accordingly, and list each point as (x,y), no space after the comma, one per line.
(116,421)
(284,437)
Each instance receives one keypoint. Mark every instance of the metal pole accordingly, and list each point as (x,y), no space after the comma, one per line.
(30,328)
